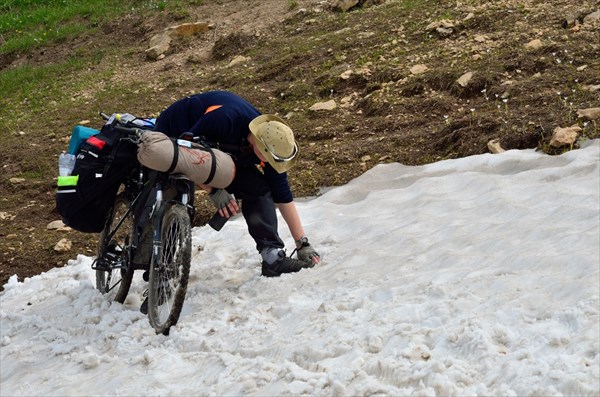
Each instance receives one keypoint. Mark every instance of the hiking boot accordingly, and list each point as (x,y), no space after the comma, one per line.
(284,265)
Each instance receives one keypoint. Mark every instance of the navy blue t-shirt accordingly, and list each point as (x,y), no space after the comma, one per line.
(221,117)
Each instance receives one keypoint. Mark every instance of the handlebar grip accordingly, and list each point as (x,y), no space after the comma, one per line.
(130,131)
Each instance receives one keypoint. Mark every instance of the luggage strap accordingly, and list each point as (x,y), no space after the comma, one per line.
(175,156)
(200,146)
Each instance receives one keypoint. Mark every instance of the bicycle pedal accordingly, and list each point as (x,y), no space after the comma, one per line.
(144,307)
(100,265)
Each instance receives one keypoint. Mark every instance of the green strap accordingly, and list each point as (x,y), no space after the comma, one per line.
(70,180)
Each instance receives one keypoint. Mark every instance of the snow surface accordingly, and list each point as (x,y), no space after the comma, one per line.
(476,276)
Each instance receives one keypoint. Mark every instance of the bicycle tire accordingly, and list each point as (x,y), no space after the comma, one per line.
(116,282)
(168,284)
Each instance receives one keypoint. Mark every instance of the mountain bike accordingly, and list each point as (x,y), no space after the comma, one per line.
(148,229)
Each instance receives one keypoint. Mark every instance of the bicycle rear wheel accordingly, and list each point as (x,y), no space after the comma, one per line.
(113,269)
(168,282)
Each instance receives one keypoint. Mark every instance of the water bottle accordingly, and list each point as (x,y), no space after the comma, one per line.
(66,163)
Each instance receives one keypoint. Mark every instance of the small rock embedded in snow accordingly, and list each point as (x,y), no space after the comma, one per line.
(494,146)
(565,136)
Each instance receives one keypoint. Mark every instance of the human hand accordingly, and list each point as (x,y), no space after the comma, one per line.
(225,202)
(306,252)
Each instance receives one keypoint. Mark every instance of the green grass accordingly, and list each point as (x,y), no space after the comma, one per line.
(31,91)
(34,88)
(27,24)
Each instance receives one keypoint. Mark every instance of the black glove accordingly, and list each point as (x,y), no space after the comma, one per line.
(220,198)
(306,252)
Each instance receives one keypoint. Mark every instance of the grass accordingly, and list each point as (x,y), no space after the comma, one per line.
(36,87)
(27,24)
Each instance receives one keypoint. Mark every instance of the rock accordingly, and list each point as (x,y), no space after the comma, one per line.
(7,216)
(592,88)
(442,28)
(346,5)
(346,75)
(188,29)
(444,32)
(329,105)
(159,44)
(464,80)
(571,20)
(534,44)
(16,181)
(348,101)
(343,5)
(238,59)
(564,136)
(594,16)
(419,69)
(494,146)
(589,113)
(444,24)
(55,225)
(197,58)
(63,245)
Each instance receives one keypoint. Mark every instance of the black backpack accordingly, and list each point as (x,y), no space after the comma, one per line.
(84,199)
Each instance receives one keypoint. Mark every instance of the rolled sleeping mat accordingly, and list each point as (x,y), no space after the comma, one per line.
(203,165)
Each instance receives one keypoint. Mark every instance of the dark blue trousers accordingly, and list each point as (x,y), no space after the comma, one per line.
(258,208)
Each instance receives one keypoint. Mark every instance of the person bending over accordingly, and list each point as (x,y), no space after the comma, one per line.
(264,149)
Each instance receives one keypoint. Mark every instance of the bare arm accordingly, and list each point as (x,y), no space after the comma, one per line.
(292,218)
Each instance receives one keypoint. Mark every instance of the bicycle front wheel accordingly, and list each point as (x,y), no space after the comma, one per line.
(113,270)
(168,281)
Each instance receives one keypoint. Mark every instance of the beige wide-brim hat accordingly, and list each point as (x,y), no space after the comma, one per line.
(275,141)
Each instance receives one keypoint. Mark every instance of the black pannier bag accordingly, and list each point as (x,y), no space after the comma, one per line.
(84,198)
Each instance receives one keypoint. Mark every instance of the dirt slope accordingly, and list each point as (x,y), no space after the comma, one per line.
(392,71)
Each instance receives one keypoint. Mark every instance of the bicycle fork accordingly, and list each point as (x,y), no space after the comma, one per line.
(157,214)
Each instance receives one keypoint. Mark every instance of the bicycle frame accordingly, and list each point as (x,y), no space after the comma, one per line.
(149,229)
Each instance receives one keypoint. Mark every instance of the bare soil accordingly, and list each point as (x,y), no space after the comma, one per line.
(298,56)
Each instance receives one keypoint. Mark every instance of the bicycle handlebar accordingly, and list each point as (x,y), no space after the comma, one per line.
(132,132)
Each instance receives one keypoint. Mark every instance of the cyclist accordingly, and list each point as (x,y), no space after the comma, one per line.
(264,149)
